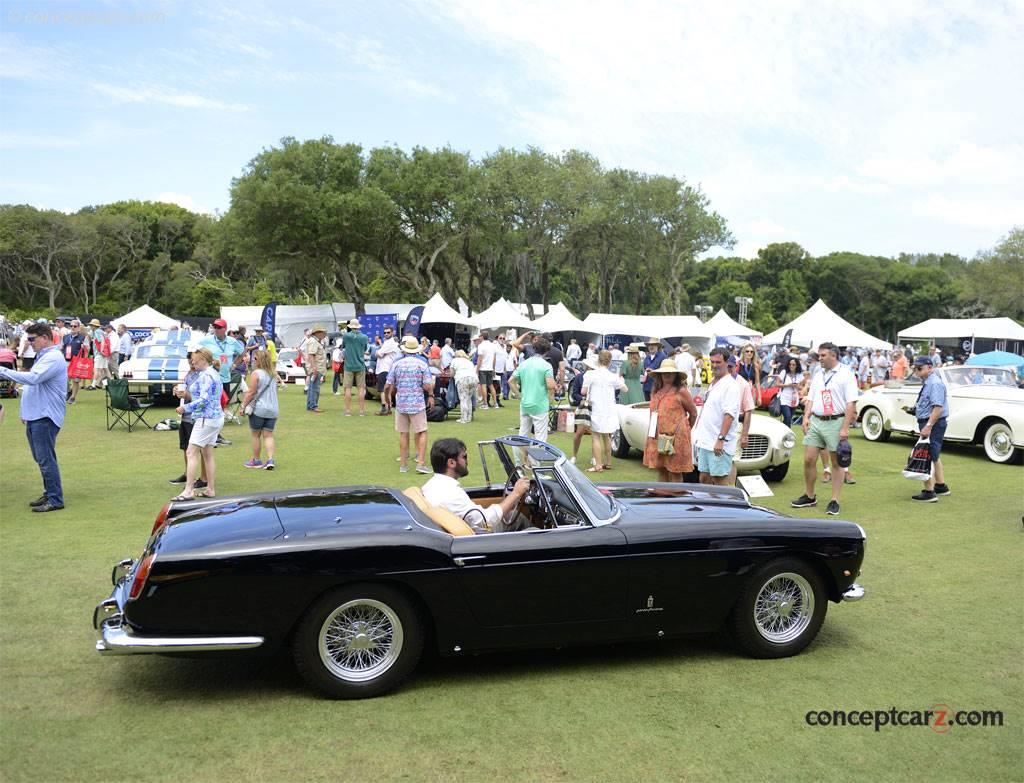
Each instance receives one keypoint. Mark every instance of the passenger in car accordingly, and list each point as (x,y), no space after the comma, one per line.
(449,459)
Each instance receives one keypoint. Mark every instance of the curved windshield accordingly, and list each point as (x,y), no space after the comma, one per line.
(600,505)
(160,351)
(980,376)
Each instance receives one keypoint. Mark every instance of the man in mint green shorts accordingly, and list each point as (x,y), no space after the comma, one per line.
(534,382)
(830,409)
(715,434)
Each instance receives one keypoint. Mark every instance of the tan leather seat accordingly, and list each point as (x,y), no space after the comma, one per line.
(442,517)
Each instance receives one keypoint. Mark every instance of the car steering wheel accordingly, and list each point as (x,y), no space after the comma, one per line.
(516,474)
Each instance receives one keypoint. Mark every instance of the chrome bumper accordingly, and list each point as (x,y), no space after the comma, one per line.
(853,593)
(117,639)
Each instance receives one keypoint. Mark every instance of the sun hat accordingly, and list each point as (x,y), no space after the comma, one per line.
(590,363)
(667,366)
(653,341)
(410,344)
(354,324)
(632,348)
(318,328)
(95,322)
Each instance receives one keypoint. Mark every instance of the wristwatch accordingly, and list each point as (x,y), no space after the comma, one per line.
(723,438)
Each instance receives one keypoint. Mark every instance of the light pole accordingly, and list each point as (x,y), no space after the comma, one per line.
(703,311)
(744,302)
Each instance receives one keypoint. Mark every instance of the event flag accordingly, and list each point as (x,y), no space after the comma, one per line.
(787,339)
(268,318)
(412,321)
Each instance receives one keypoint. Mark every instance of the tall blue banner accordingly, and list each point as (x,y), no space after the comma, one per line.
(269,318)
(412,321)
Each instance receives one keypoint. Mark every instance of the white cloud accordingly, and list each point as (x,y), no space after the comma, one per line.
(27,141)
(982,213)
(969,164)
(183,200)
(165,96)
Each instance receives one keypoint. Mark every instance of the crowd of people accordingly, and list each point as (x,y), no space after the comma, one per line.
(701,406)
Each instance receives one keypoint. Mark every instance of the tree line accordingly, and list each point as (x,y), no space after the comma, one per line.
(315,220)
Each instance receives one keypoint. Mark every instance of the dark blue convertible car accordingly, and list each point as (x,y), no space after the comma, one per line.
(355,580)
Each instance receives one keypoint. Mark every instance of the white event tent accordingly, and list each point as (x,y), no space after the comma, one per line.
(687,328)
(145,317)
(559,318)
(291,321)
(956,328)
(438,311)
(502,314)
(724,326)
(819,324)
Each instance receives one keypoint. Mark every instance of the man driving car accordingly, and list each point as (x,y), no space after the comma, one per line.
(448,458)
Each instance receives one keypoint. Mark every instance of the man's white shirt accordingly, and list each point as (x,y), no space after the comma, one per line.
(485,353)
(838,384)
(444,491)
(722,397)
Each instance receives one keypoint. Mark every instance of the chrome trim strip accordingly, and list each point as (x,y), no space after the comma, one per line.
(116,639)
(121,570)
(853,593)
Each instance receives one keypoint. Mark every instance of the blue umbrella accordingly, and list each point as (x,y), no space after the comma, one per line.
(999,359)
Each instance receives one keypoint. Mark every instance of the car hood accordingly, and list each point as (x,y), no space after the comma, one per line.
(673,500)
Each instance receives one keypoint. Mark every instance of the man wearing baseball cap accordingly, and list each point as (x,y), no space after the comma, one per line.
(931,409)
(224,348)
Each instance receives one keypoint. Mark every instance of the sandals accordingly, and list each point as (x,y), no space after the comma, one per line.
(826,475)
(179,498)
(595,469)
(848,480)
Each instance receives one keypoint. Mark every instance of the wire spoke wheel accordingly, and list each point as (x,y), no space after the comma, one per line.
(360,640)
(783,608)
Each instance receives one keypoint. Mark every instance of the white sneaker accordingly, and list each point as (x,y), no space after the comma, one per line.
(572,460)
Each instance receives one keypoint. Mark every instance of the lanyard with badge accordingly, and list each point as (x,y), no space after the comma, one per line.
(827,405)
(223,351)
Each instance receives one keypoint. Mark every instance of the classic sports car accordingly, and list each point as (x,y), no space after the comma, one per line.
(161,361)
(769,446)
(356,579)
(985,406)
(287,369)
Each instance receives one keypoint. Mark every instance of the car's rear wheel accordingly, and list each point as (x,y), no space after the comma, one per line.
(998,442)
(359,641)
(775,472)
(620,446)
(780,609)
(873,425)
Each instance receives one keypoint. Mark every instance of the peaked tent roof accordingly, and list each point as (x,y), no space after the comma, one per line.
(558,318)
(721,323)
(500,314)
(438,311)
(951,328)
(820,324)
(145,317)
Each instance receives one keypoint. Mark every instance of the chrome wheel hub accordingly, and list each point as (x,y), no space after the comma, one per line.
(783,608)
(360,640)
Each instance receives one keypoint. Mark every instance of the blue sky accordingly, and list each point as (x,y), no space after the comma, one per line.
(873,126)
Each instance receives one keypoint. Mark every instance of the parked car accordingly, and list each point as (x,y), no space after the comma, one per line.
(160,362)
(985,407)
(356,579)
(769,445)
(287,369)
(769,390)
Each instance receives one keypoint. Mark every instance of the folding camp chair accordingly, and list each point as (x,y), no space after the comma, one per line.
(235,394)
(123,407)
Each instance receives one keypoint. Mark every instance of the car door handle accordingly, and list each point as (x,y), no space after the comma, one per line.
(461,561)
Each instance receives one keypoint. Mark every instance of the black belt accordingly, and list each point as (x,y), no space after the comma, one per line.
(828,418)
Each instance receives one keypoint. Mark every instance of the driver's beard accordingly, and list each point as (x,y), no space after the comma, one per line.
(461,471)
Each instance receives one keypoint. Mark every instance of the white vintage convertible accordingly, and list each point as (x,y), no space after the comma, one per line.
(985,406)
(769,445)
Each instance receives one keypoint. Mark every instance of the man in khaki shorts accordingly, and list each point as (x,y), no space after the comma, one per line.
(829,411)
(408,381)
(355,343)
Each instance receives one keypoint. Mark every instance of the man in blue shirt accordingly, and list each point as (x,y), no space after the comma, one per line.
(42,410)
(224,348)
(932,410)
(655,356)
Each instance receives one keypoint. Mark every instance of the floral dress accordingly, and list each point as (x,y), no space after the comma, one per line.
(634,388)
(676,413)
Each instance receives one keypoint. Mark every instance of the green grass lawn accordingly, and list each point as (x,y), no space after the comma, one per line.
(943,622)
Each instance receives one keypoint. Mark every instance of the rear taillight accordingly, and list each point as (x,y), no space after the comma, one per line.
(141,573)
(161,518)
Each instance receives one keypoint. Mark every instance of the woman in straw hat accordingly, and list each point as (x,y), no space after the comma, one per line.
(631,370)
(672,404)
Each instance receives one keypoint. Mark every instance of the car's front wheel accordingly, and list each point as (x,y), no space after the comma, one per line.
(998,442)
(775,473)
(780,609)
(359,641)
(873,425)
(620,446)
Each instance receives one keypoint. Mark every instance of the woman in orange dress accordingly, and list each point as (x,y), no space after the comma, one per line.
(671,400)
